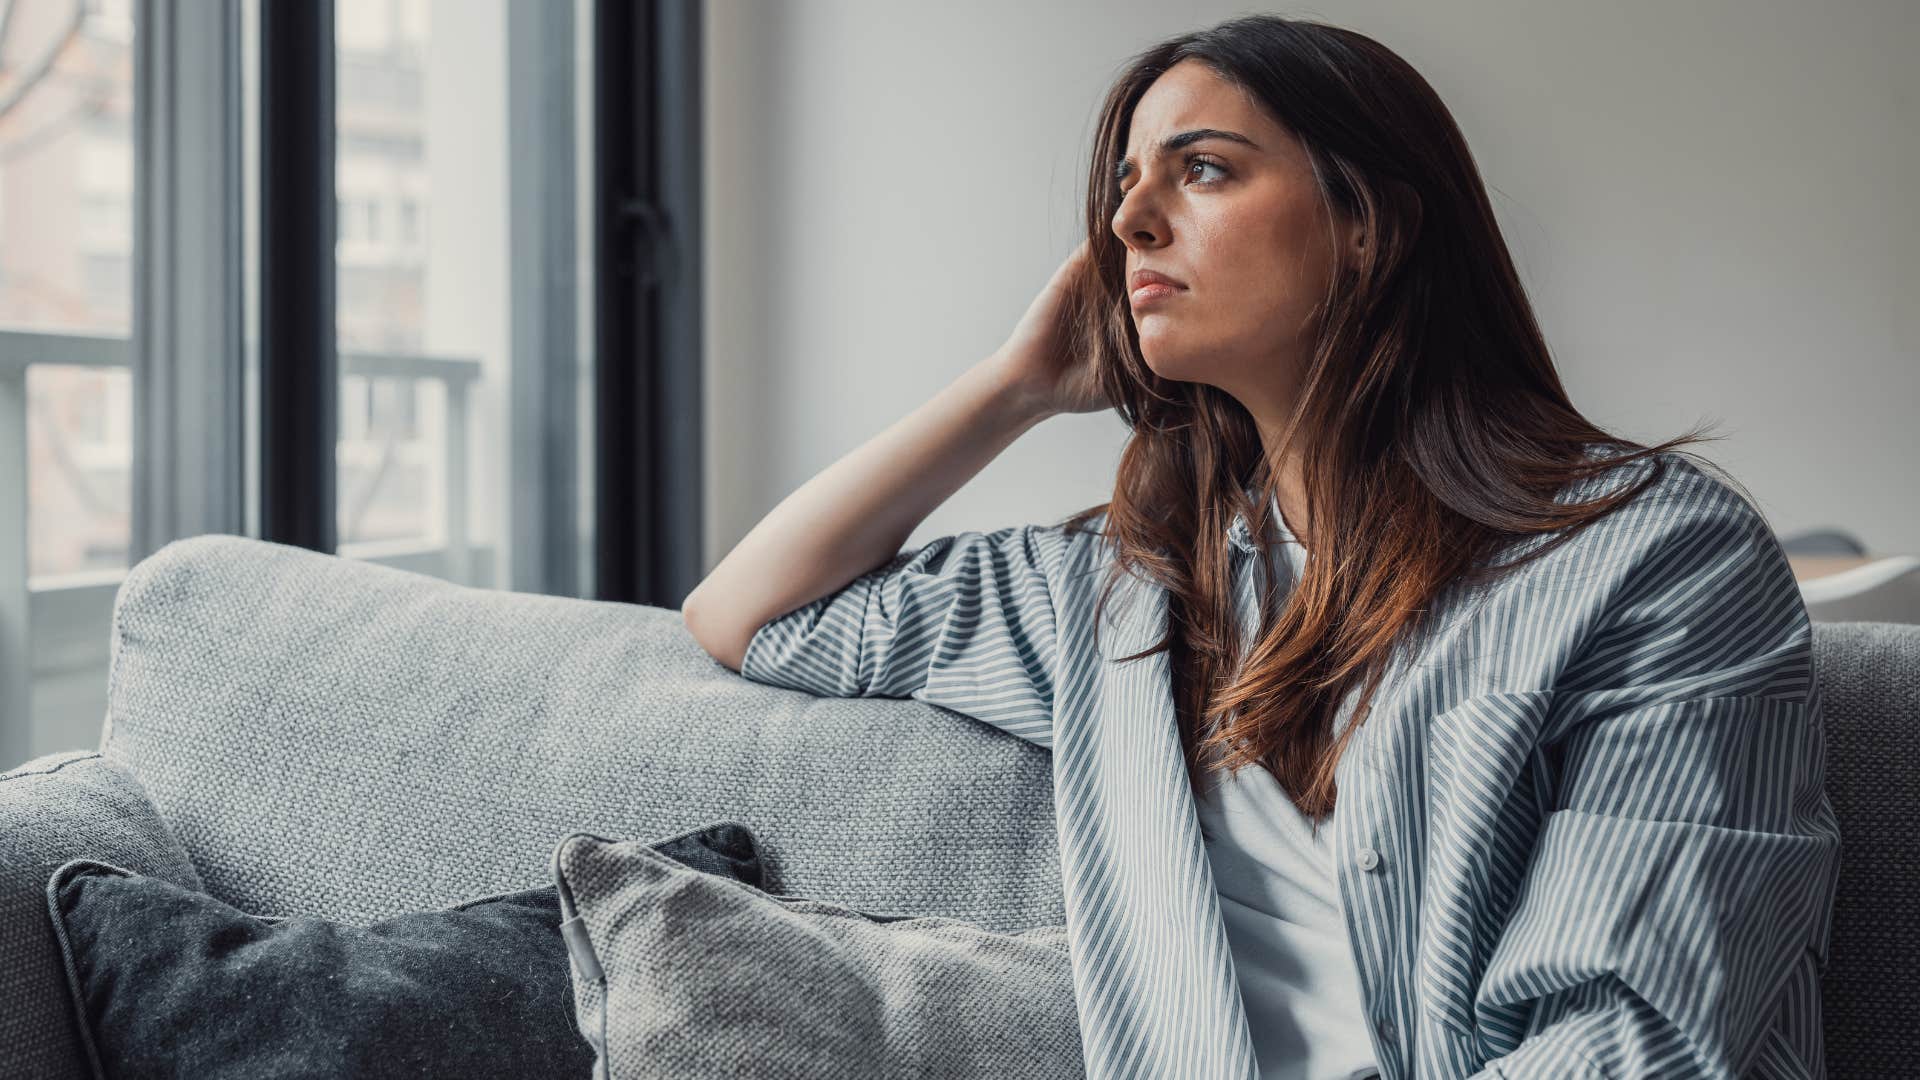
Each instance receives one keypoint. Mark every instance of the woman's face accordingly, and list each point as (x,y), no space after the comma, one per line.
(1240,224)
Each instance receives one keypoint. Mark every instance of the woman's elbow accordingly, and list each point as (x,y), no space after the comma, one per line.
(724,643)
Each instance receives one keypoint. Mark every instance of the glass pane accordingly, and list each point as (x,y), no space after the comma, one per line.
(79,456)
(429,285)
(66,297)
(66,242)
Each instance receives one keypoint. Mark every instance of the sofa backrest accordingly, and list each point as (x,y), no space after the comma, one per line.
(330,737)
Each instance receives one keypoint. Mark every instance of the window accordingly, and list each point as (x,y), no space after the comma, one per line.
(66,237)
(464,359)
(430,421)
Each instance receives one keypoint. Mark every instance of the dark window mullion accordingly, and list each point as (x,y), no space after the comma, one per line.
(649,355)
(299,405)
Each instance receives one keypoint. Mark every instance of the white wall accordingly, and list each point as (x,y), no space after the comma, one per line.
(1710,203)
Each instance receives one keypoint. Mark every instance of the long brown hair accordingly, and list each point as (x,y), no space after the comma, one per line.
(1432,429)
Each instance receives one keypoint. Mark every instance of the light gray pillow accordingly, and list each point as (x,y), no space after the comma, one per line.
(55,808)
(680,974)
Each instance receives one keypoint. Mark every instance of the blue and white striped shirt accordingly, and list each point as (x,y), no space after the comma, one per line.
(1583,832)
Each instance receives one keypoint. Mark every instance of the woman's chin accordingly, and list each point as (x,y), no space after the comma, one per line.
(1170,364)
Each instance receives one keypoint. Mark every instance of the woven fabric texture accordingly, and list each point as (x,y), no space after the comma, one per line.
(1871,992)
(338,739)
(171,982)
(697,976)
(52,809)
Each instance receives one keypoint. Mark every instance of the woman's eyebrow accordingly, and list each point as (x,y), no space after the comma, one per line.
(1175,142)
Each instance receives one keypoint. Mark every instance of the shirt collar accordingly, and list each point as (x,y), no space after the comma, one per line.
(1240,532)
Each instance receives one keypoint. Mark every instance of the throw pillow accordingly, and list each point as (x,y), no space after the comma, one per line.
(171,982)
(680,974)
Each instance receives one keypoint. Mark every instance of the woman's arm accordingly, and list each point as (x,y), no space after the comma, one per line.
(855,515)
(1682,882)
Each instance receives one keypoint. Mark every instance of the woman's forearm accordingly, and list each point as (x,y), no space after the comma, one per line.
(858,512)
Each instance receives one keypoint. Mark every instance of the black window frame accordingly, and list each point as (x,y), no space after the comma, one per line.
(648,412)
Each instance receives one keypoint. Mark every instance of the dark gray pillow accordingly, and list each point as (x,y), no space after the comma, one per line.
(171,982)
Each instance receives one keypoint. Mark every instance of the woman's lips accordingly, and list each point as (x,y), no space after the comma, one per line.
(1153,293)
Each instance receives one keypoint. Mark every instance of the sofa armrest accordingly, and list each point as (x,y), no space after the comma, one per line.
(54,808)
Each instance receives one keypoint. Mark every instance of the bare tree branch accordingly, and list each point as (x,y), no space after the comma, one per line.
(53,128)
(42,64)
(63,459)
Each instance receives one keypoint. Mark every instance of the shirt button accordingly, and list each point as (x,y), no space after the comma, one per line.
(1386,1028)
(1369,858)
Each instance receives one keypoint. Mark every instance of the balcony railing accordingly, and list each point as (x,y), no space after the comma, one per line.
(53,628)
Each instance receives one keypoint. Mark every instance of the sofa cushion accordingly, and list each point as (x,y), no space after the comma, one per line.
(680,974)
(52,809)
(169,981)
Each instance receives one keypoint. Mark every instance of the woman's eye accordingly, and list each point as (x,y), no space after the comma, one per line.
(1208,164)
(1120,193)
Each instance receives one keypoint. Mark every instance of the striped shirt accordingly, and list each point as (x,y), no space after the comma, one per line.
(1582,833)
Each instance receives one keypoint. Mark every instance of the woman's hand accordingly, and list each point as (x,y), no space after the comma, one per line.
(1042,355)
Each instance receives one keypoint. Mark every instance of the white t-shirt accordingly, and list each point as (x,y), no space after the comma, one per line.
(1281,906)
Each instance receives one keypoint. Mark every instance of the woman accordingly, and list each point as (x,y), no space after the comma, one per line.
(1402,719)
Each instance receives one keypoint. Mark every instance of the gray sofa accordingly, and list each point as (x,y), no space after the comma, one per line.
(303,734)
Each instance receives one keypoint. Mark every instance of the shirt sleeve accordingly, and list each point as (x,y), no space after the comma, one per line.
(965,622)
(1684,873)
